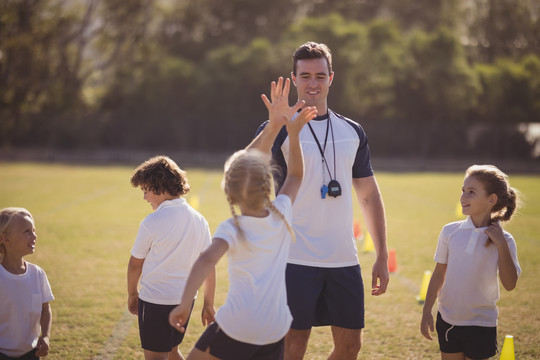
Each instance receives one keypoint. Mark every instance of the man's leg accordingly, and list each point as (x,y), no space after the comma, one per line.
(296,342)
(347,343)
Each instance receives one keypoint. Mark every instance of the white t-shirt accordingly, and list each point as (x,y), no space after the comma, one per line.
(256,310)
(324,227)
(169,240)
(21,300)
(471,287)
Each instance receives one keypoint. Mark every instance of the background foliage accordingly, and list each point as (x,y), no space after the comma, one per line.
(156,74)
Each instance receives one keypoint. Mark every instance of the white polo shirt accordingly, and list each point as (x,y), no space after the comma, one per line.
(169,240)
(21,300)
(256,310)
(471,287)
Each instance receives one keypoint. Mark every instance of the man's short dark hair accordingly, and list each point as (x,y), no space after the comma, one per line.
(313,50)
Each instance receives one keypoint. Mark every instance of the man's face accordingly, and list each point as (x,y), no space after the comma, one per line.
(313,82)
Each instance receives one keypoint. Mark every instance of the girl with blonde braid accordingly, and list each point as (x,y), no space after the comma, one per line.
(255,317)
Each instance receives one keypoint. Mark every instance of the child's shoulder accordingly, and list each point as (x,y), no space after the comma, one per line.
(453,226)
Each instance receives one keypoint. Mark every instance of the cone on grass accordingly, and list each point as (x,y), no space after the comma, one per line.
(357,229)
(459,212)
(368,243)
(392,261)
(423,288)
(194,202)
(507,352)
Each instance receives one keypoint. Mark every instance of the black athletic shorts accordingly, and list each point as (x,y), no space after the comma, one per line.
(325,296)
(31,355)
(224,347)
(154,329)
(476,342)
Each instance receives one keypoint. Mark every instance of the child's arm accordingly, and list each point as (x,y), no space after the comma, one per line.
(208,310)
(295,166)
(279,93)
(42,347)
(133,275)
(507,269)
(199,272)
(435,284)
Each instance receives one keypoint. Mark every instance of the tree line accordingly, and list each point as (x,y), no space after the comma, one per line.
(430,77)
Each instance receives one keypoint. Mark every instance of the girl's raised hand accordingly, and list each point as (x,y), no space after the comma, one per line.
(278,107)
(295,125)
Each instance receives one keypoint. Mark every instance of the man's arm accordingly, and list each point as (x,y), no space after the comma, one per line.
(371,203)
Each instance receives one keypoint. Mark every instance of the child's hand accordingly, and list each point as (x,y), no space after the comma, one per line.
(42,347)
(133,304)
(207,315)
(278,108)
(495,233)
(427,325)
(178,317)
(295,125)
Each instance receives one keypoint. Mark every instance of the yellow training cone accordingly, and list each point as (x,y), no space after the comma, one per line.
(194,202)
(507,352)
(368,243)
(423,288)
(459,213)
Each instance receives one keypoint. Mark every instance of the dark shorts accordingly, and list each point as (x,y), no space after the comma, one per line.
(325,296)
(154,329)
(224,347)
(31,355)
(476,342)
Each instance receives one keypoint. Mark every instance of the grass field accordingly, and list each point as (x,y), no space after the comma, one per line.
(87,218)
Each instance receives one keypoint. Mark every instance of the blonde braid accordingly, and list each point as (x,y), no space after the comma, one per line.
(282,217)
(241,233)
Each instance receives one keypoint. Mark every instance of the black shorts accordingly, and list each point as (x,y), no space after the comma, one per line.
(325,296)
(31,355)
(476,342)
(154,329)
(224,347)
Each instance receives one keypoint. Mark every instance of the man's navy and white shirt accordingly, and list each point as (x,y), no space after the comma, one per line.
(324,227)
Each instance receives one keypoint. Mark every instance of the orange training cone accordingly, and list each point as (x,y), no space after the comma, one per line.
(357,228)
(392,261)
(507,352)
(423,288)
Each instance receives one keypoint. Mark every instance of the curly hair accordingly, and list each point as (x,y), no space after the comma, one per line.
(160,175)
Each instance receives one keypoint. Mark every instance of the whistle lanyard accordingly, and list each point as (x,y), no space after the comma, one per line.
(322,150)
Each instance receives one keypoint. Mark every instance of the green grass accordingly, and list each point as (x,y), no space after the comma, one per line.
(87,218)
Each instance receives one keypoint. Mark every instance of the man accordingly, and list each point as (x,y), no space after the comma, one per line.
(324,282)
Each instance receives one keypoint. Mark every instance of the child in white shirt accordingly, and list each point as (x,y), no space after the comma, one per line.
(25,293)
(168,242)
(255,318)
(472,255)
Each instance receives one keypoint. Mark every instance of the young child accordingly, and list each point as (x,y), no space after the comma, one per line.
(255,317)
(25,313)
(470,254)
(168,242)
